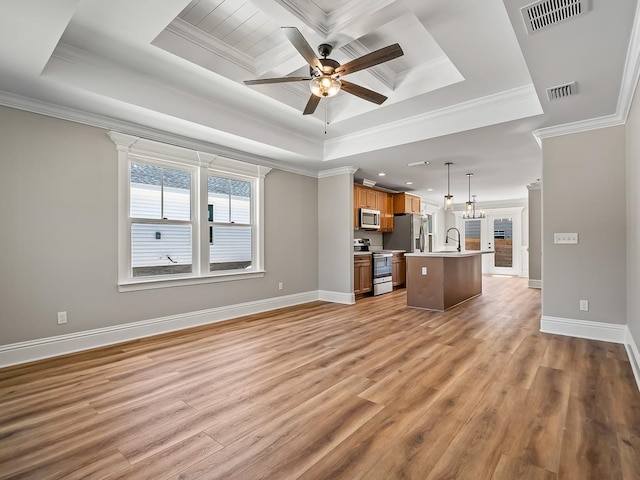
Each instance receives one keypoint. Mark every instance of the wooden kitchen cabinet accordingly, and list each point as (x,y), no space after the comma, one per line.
(362,274)
(385,205)
(398,270)
(365,197)
(406,203)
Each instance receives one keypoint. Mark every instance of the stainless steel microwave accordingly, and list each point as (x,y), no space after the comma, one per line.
(369,219)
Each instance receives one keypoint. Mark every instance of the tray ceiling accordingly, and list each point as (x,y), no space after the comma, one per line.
(470,88)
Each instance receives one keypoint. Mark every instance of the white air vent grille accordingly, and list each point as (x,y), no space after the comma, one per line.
(545,13)
(562,91)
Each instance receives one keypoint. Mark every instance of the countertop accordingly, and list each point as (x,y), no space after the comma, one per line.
(449,254)
(374,251)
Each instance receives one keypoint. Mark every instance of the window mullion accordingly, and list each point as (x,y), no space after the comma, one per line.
(162,193)
(202,211)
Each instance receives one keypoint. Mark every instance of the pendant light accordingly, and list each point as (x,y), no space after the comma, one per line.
(448,198)
(469,209)
(470,212)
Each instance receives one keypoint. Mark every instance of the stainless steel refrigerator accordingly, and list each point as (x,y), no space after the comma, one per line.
(410,234)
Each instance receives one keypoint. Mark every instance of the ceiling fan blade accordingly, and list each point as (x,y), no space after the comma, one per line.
(371,59)
(312,104)
(362,92)
(261,81)
(303,47)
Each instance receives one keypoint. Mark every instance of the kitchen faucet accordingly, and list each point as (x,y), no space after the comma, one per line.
(447,239)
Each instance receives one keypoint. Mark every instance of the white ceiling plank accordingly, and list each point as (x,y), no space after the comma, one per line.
(197,10)
(220,14)
(234,22)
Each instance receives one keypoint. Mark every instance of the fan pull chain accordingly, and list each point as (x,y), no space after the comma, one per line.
(326,110)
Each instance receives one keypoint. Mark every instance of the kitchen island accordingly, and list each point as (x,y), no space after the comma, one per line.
(441,280)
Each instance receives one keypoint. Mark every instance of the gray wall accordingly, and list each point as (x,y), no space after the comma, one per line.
(535,233)
(633,219)
(584,192)
(335,232)
(58,203)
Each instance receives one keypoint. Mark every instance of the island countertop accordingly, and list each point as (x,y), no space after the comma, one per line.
(454,254)
(441,280)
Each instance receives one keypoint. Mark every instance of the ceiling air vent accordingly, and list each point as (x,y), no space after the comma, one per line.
(562,91)
(545,13)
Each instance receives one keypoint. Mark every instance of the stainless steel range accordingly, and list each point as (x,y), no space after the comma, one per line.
(382,269)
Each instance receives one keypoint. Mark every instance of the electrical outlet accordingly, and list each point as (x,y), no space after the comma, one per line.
(280,286)
(584,305)
(62,318)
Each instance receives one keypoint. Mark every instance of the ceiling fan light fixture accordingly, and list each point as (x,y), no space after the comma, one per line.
(325,86)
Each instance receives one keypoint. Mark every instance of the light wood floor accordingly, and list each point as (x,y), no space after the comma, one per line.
(325,391)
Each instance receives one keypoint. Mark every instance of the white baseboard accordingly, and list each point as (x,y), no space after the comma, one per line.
(38,349)
(337,297)
(606,332)
(535,283)
(634,356)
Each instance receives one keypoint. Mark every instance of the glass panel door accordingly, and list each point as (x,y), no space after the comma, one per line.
(501,241)
(472,234)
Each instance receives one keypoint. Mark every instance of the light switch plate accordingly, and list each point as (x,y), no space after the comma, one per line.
(424,270)
(565,238)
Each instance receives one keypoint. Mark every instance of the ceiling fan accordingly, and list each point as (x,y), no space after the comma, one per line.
(325,74)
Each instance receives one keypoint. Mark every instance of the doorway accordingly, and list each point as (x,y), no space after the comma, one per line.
(503,232)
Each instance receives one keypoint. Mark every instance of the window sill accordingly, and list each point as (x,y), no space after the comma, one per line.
(153,283)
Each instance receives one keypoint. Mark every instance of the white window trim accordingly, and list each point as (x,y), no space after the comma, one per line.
(131,148)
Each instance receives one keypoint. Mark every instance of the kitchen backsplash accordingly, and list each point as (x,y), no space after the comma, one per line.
(374,237)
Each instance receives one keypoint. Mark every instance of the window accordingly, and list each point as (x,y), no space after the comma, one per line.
(186,216)
(160,220)
(230,232)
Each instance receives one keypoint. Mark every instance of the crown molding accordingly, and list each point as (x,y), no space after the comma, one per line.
(577,127)
(334,172)
(108,123)
(631,71)
(328,23)
(309,13)
(504,106)
(628,86)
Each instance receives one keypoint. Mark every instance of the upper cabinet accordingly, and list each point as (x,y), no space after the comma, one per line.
(365,197)
(406,203)
(386,212)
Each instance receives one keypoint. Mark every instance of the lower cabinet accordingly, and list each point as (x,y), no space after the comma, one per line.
(398,270)
(362,274)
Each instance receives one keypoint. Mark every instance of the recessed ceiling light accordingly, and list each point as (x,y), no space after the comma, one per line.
(429,189)
(408,183)
(381,174)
